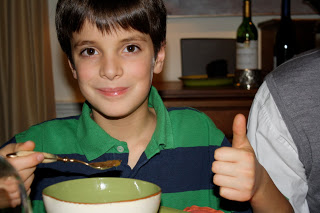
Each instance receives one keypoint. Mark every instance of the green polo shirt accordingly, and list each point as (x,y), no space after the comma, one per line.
(178,157)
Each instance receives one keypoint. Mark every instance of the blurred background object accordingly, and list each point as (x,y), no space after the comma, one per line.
(247,41)
(26,77)
(246,50)
(315,4)
(7,171)
(217,68)
(285,43)
(307,34)
(200,56)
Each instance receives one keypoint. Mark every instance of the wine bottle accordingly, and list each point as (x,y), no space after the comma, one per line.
(247,41)
(285,43)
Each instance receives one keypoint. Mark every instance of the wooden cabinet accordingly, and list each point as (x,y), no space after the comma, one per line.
(221,104)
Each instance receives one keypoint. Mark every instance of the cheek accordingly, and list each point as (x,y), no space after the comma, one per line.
(142,70)
(85,73)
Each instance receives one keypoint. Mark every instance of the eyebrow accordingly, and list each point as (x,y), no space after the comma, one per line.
(129,39)
(81,43)
(134,38)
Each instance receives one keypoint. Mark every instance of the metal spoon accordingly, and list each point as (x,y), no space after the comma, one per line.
(50,158)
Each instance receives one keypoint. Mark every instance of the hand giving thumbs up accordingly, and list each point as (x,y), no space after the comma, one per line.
(236,169)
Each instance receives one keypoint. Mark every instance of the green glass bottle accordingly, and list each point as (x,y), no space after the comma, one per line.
(247,41)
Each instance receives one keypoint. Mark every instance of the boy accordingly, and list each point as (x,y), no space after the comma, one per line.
(113,48)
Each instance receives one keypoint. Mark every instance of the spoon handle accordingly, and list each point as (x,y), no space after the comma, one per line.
(48,158)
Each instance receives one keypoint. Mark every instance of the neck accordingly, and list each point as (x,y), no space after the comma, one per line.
(135,129)
(132,128)
(246,9)
(285,9)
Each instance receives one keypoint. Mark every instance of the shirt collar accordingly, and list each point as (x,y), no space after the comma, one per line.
(94,141)
(162,137)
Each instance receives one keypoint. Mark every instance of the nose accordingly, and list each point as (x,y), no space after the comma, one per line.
(110,68)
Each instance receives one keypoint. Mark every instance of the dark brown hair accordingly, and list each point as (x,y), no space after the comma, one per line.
(145,16)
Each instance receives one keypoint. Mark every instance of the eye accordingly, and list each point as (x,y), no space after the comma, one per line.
(89,52)
(131,49)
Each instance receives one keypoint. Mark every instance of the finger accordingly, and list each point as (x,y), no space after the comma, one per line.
(25,162)
(226,181)
(5,201)
(228,154)
(224,168)
(27,175)
(26,167)
(28,182)
(11,184)
(7,149)
(9,192)
(14,195)
(239,131)
(15,202)
(28,191)
(26,146)
(233,194)
(14,147)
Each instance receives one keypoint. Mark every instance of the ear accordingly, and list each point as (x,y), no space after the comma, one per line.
(158,66)
(74,72)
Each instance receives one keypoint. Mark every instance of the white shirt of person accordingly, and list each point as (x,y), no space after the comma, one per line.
(275,149)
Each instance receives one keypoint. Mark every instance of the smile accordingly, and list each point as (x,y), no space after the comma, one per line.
(113,91)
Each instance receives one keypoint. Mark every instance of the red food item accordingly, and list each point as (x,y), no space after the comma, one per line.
(198,209)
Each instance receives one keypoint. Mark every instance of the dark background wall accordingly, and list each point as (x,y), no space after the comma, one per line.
(233,7)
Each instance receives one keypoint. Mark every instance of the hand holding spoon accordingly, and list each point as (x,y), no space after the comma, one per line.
(6,171)
(50,158)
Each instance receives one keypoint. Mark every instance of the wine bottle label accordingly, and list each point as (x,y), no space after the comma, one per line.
(247,55)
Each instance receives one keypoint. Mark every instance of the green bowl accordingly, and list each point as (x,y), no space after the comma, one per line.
(204,81)
(102,195)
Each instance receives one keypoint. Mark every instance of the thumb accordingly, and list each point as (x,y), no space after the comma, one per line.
(239,129)
(15,147)
(26,146)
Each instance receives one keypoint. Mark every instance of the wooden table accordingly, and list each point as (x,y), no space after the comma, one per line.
(221,104)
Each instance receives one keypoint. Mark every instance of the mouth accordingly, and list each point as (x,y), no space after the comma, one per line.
(117,91)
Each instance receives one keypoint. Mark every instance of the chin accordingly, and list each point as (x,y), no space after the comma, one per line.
(114,115)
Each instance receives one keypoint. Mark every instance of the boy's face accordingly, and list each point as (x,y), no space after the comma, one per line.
(114,71)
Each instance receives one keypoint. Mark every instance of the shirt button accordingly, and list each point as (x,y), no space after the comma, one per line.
(120,149)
